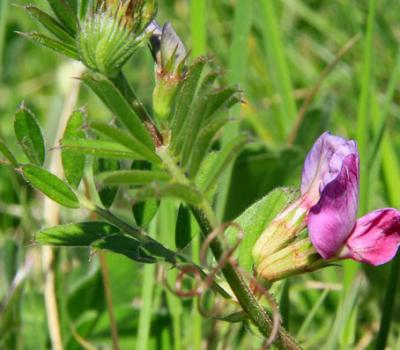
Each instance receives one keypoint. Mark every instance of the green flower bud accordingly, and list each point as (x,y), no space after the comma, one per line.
(281,231)
(112,32)
(170,56)
(296,258)
(280,251)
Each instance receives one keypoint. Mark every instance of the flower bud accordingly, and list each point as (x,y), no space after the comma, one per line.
(296,258)
(170,57)
(111,34)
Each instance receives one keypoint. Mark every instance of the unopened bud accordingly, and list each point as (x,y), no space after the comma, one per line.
(170,57)
(111,34)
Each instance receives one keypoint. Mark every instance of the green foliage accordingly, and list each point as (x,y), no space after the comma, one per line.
(7,153)
(133,177)
(186,94)
(52,25)
(29,135)
(50,185)
(126,140)
(55,45)
(256,218)
(118,105)
(144,212)
(223,158)
(183,230)
(73,162)
(99,148)
(82,234)
(107,194)
(170,190)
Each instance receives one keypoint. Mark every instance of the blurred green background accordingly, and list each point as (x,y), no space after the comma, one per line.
(318,65)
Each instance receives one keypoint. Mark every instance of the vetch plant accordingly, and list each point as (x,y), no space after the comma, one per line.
(173,151)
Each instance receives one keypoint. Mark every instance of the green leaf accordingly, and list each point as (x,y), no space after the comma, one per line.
(133,177)
(185,98)
(113,99)
(100,148)
(196,116)
(73,162)
(55,45)
(125,245)
(127,140)
(50,185)
(183,229)
(29,135)
(256,218)
(81,234)
(107,194)
(7,153)
(225,156)
(186,193)
(203,143)
(65,13)
(144,212)
(52,25)
(219,99)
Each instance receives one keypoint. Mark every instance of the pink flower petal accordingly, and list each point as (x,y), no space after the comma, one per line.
(375,238)
(332,219)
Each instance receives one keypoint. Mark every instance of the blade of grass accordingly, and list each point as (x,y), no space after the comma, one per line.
(237,67)
(108,295)
(147,293)
(363,115)
(311,314)
(3,26)
(351,268)
(167,227)
(392,86)
(344,314)
(198,26)
(199,39)
(278,66)
(391,174)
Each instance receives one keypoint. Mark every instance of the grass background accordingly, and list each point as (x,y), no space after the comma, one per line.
(282,54)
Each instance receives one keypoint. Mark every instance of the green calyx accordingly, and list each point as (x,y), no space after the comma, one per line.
(170,56)
(110,35)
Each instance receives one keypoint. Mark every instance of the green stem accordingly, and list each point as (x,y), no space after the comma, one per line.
(207,222)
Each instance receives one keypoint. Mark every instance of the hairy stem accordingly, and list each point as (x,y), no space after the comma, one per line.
(207,222)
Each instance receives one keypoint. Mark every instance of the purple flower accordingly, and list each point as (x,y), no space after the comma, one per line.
(330,187)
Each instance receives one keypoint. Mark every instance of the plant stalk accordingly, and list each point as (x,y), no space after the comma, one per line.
(207,222)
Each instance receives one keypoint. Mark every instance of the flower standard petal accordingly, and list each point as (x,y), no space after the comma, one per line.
(332,219)
(375,238)
(324,163)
